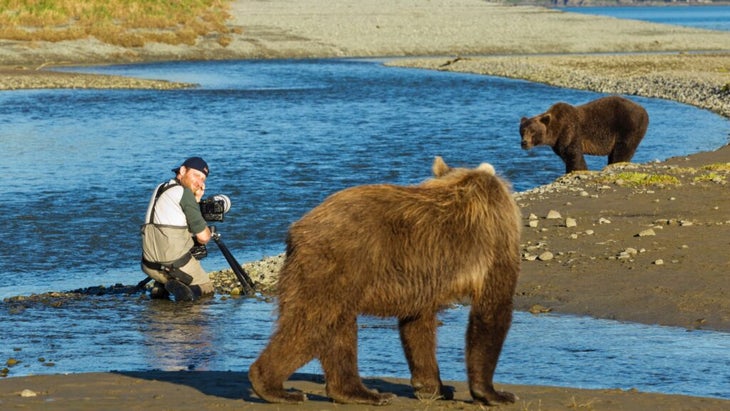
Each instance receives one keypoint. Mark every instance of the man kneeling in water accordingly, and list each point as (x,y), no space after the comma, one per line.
(173,225)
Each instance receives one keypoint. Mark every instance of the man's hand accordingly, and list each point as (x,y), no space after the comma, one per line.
(199,193)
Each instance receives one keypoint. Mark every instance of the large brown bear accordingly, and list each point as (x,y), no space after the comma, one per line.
(404,252)
(612,126)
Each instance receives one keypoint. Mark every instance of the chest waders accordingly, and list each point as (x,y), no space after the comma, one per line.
(157,236)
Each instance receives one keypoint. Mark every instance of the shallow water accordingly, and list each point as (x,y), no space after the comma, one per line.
(78,167)
(125,333)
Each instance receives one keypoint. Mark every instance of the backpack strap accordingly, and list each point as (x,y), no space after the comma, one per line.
(160,189)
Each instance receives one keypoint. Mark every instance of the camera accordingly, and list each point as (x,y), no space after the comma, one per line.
(213,208)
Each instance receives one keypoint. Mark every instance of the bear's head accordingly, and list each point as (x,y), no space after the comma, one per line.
(534,130)
(441,169)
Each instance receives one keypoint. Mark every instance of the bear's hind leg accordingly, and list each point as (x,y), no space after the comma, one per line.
(339,362)
(489,322)
(418,336)
(285,353)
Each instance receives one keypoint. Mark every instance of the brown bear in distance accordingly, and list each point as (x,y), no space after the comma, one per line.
(612,126)
(404,252)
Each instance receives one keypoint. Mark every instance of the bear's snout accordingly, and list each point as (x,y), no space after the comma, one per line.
(526,144)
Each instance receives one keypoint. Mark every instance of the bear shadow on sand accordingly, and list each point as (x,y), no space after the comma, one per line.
(236,385)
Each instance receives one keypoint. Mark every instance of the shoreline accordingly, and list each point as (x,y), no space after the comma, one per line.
(593,274)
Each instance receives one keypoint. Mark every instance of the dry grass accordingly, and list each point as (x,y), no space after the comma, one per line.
(128,23)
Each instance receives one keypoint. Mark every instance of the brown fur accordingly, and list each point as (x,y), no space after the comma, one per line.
(404,252)
(612,126)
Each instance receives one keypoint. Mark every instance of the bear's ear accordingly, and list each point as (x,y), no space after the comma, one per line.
(439,167)
(486,167)
(523,120)
(546,119)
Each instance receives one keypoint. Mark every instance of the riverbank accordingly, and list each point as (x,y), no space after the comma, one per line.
(642,243)
(608,264)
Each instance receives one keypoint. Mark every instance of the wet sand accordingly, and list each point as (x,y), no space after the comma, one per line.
(591,274)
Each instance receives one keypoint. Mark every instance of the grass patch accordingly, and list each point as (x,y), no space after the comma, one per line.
(717,167)
(639,179)
(127,23)
(711,176)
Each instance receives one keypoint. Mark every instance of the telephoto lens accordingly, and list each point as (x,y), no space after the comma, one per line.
(226,201)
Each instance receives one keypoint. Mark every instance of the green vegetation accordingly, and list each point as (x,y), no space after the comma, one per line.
(717,167)
(639,179)
(128,23)
(710,177)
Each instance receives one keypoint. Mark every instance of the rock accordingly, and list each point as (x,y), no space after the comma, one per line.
(627,253)
(570,222)
(646,233)
(553,215)
(546,256)
(659,262)
(539,309)
(604,221)
(28,393)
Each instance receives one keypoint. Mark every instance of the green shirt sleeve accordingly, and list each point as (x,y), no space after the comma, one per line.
(191,208)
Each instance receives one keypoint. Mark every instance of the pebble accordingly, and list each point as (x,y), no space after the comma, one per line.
(539,309)
(646,233)
(546,256)
(28,393)
(570,222)
(553,215)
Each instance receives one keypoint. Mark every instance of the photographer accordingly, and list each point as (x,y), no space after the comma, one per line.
(173,227)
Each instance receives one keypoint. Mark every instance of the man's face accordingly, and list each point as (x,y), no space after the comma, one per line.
(192,179)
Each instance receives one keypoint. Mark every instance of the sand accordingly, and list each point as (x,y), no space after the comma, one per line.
(677,276)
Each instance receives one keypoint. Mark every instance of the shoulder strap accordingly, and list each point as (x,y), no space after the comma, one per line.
(161,189)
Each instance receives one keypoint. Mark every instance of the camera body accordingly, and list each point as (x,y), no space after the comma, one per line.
(213,208)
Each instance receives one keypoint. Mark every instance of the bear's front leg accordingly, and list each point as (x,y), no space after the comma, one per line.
(573,158)
(418,336)
(339,362)
(489,322)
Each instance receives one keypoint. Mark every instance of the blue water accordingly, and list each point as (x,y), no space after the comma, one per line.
(699,17)
(78,167)
(227,335)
